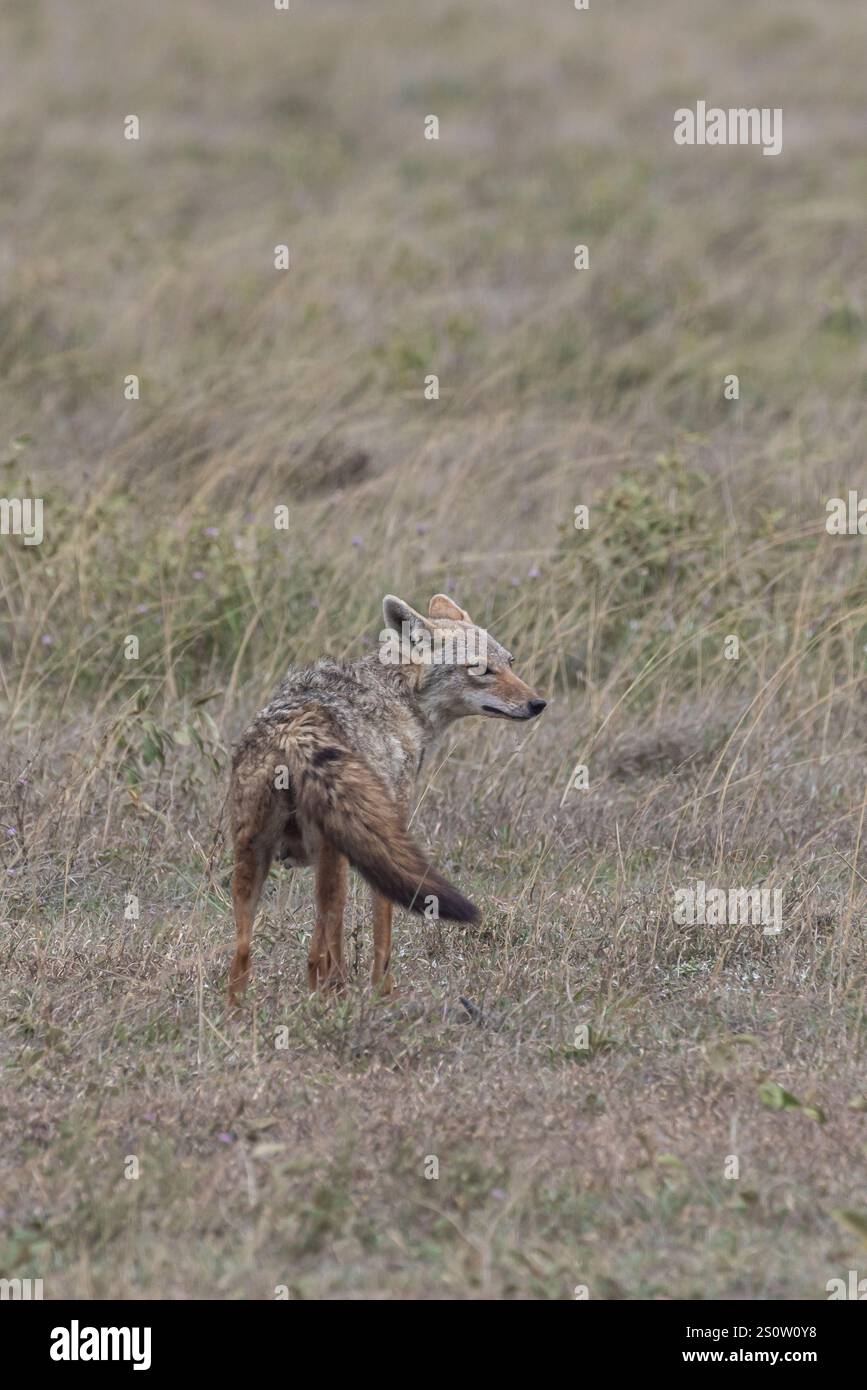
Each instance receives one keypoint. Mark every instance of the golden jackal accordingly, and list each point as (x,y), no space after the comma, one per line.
(325,772)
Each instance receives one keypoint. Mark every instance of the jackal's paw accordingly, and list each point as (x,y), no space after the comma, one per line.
(385,989)
(325,976)
(238,978)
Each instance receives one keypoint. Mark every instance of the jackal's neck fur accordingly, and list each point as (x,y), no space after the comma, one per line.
(423,697)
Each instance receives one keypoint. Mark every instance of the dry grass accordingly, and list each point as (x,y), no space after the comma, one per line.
(291,1149)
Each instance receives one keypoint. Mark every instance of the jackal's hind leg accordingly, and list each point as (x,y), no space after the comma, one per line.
(380,978)
(252,863)
(325,966)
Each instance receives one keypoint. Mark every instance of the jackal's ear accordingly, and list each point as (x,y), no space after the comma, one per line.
(441,606)
(396,613)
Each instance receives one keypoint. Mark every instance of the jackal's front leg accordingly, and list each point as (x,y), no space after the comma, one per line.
(325,961)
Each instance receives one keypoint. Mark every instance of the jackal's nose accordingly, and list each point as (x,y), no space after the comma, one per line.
(535,707)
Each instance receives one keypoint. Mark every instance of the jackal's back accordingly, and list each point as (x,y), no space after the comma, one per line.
(344,738)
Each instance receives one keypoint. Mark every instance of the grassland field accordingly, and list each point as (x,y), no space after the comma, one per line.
(291,1150)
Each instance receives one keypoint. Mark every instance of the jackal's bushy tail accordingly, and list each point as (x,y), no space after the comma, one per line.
(350,803)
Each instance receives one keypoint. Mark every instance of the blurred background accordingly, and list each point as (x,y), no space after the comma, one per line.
(410,257)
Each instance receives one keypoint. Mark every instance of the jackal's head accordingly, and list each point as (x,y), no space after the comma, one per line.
(461,669)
